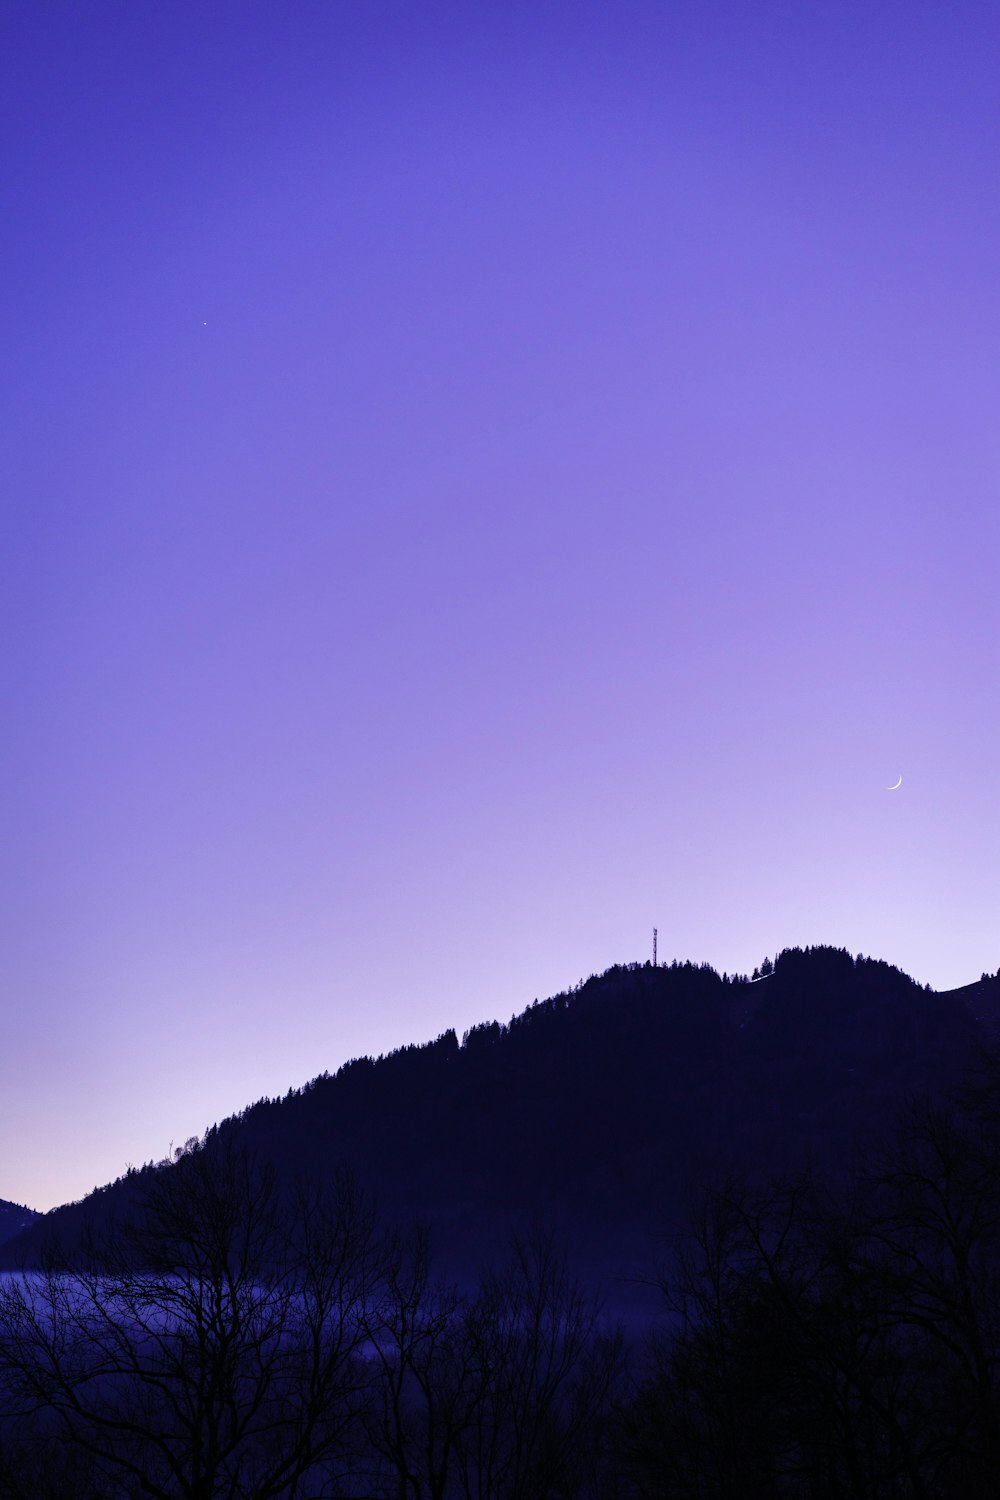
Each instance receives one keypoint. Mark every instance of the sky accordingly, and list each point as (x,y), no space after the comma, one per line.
(480,481)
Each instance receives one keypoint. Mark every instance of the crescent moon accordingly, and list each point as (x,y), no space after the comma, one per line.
(895,788)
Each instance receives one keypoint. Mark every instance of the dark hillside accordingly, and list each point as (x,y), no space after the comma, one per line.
(982,999)
(13,1218)
(579,1110)
(598,1110)
(833,1045)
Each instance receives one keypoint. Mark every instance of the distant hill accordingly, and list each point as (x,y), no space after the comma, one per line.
(14,1218)
(599,1110)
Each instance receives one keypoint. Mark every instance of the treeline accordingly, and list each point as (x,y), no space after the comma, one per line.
(830,1338)
(246,1342)
(838,1340)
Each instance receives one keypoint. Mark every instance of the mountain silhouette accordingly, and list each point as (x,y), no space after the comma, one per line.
(601,1110)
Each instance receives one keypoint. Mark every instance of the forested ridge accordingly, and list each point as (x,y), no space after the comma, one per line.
(812,1155)
(601,1108)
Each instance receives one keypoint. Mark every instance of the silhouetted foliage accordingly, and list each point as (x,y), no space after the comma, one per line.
(837,1338)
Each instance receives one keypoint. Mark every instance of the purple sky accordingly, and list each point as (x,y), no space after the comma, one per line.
(480,480)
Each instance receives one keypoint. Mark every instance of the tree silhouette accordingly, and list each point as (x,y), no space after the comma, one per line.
(211,1350)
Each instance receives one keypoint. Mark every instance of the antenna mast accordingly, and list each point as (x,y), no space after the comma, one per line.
(654,947)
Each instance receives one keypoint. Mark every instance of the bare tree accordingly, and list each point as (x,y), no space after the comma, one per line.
(498,1396)
(930,1251)
(544,1372)
(213,1350)
(428,1387)
(783,1375)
